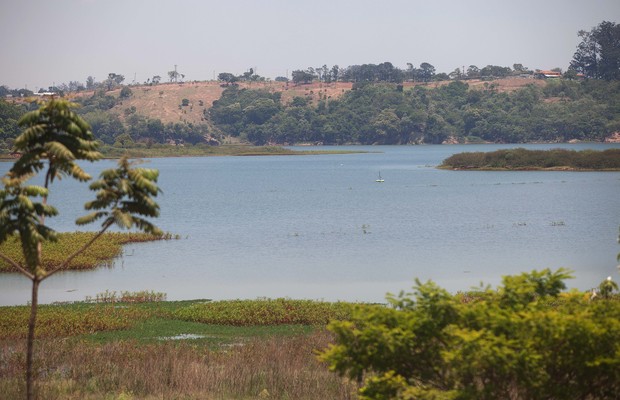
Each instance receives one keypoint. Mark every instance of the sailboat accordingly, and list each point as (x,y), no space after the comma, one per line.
(380,179)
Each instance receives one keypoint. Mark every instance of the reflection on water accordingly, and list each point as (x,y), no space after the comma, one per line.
(320,227)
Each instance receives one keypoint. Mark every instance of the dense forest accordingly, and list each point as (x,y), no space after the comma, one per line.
(383,113)
(386,105)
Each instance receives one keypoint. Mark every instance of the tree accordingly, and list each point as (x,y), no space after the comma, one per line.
(456,74)
(126,93)
(53,140)
(174,75)
(227,77)
(155,80)
(427,71)
(335,73)
(598,53)
(525,340)
(249,75)
(90,83)
(495,71)
(260,110)
(300,76)
(473,71)
(9,115)
(113,80)
(519,68)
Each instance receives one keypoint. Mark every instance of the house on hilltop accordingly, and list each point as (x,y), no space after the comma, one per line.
(548,74)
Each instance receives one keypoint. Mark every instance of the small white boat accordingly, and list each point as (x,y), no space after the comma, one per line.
(380,179)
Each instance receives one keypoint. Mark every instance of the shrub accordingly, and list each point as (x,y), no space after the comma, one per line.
(525,340)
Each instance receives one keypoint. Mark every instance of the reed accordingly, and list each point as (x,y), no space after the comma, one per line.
(143,296)
(274,368)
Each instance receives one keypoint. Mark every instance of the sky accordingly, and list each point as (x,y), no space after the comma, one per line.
(47,42)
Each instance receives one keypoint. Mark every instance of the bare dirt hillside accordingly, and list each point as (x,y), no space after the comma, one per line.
(164,101)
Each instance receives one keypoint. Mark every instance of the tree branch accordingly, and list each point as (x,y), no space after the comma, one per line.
(79,251)
(18,267)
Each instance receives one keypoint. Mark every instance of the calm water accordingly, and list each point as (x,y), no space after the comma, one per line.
(320,227)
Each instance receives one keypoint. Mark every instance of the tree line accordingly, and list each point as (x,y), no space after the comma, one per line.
(384,113)
(370,113)
(379,110)
(597,56)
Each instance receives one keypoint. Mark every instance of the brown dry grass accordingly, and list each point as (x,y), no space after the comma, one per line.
(275,368)
(162,101)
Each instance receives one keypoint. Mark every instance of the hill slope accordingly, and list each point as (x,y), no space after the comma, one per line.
(163,101)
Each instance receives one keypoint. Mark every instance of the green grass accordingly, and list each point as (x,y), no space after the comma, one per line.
(154,330)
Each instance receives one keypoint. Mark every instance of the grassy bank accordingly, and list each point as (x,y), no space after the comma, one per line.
(100,253)
(522,159)
(207,151)
(153,350)
(160,150)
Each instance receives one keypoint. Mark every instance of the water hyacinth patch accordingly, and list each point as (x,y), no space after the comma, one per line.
(265,312)
(62,321)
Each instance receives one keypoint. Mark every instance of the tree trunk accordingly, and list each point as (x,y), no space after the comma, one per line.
(30,350)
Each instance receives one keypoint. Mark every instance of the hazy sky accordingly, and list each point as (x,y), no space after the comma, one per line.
(54,41)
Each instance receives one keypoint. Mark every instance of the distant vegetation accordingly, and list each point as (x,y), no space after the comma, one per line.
(522,159)
(383,113)
(388,105)
(371,113)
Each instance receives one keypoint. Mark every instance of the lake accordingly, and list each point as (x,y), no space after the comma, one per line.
(320,227)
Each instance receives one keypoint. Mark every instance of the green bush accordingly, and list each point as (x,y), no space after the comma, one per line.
(536,159)
(525,340)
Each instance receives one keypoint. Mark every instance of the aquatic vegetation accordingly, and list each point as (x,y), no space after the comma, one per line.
(56,321)
(265,312)
(100,253)
(143,296)
(523,159)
